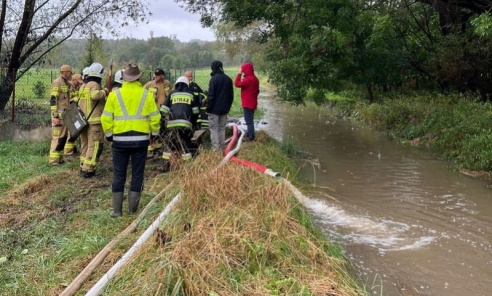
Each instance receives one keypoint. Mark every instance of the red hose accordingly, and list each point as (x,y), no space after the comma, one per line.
(231,145)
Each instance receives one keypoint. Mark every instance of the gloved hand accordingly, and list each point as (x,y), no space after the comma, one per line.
(153,138)
(109,139)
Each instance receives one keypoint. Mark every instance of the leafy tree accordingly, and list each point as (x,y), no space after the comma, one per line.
(381,44)
(94,51)
(29,29)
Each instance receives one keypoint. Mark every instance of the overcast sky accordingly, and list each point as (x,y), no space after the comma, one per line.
(168,19)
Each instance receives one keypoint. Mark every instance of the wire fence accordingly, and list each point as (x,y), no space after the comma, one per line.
(28,101)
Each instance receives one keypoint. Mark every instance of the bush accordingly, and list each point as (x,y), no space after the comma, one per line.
(39,89)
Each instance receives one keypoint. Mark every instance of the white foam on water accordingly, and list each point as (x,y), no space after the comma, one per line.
(385,235)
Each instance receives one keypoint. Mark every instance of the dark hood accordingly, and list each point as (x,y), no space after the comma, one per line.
(216,67)
(181,86)
(97,80)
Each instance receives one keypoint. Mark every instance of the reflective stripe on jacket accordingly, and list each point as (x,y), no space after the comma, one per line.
(91,94)
(130,114)
(160,89)
(60,96)
(181,105)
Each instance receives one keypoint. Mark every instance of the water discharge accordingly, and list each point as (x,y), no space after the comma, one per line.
(410,225)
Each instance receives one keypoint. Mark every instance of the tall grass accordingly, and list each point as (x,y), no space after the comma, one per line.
(247,236)
(235,232)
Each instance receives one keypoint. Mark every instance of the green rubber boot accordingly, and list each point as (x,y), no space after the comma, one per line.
(117,204)
(133,200)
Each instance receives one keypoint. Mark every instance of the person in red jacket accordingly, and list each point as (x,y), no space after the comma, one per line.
(250,88)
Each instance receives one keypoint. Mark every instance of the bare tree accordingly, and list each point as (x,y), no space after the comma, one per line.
(29,29)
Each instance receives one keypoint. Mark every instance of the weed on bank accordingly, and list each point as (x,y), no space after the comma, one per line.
(453,127)
(233,232)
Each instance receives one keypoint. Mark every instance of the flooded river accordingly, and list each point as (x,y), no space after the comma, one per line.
(409,224)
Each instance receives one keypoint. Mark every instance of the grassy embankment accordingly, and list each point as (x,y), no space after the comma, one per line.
(453,127)
(247,235)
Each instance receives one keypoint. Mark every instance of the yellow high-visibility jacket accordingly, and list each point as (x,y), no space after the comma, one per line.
(130,114)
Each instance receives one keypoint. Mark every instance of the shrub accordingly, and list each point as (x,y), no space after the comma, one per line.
(39,89)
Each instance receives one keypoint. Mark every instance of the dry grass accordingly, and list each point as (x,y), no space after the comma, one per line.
(234,232)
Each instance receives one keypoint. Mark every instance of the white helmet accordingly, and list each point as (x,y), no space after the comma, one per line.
(182,79)
(85,72)
(118,76)
(96,70)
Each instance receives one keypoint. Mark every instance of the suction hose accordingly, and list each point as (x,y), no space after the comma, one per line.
(230,156)
(230,152)
(96,289)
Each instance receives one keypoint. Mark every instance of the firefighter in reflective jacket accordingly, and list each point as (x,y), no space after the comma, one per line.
(183,108)
(59,100)
(91,101)
(160,87)
(129,117)
(202,121)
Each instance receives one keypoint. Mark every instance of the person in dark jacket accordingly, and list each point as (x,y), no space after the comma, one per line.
(220,97)
(250,89)
(202,121)
(182,107)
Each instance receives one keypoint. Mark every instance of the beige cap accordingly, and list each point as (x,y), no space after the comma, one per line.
(78,77)
(66,68)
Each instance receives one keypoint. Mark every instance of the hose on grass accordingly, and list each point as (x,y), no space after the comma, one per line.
(231,151)
(96,289)
(77,283)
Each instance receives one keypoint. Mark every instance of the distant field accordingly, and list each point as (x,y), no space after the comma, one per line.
(35,84)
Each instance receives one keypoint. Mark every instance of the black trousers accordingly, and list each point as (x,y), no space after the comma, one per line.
(121,158)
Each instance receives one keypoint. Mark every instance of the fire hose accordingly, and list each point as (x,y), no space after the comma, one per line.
(229,155)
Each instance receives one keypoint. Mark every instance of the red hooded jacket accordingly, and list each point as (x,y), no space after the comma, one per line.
(250,86)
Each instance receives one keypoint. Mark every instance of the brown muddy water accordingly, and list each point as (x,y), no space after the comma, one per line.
(409,224)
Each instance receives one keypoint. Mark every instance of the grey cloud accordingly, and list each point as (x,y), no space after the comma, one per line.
(168,19)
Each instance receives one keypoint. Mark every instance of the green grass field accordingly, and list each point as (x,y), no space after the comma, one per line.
(33,88)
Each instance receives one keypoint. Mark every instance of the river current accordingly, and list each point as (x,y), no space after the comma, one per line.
(409,224)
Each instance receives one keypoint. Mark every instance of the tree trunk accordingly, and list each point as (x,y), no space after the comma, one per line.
(370,95)
(6,87)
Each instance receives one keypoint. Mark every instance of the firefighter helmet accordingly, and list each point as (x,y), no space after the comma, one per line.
(96,70)
(85,72)
(118,76)
(182,79)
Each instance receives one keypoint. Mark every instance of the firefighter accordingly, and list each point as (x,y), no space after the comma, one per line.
(91,102)
(118,79)
(129,117)
(75,83)
(182,107)
(160,87)
(59,101)
(202,121)
(85,74)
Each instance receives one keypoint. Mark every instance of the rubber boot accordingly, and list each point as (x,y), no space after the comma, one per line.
(133,200)
(117,204)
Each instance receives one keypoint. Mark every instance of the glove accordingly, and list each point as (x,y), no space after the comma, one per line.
(153,138)
(109,139)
